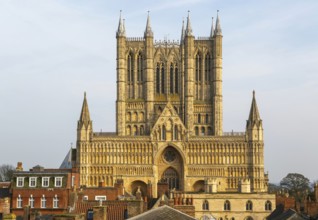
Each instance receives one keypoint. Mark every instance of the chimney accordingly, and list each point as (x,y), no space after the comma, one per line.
(19,167)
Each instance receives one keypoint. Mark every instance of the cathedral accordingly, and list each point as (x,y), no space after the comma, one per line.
(169,122)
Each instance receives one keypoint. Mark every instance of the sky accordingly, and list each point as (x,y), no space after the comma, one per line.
(52,51)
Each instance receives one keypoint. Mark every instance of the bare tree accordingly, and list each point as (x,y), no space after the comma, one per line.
(296,184)
(6,172)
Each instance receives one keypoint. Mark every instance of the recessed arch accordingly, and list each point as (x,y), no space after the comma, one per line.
(198,186)
(138,183)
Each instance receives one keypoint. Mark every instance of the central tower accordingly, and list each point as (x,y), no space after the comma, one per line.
(185,73)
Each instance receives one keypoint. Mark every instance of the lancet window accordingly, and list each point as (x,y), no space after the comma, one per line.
(205,205)
(160,78)
(198,68)
(207,67)
(174,79)
(140,68)
(130,68)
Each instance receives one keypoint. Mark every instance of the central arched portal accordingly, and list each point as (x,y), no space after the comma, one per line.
(170,167)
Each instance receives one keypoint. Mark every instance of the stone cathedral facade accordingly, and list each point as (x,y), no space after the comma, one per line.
(169,123)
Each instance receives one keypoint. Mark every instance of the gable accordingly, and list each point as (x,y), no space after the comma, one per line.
(168,126)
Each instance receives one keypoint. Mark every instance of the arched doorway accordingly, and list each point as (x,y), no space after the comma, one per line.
(170,168)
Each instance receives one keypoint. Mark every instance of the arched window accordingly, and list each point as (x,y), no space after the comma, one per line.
(202,131)
(158,78)
(199,118)
(206,118)
(196,131)
(175,132)
(171,79)
(163,132)
(205,205)
(140,68)
(176,83)
(141,130)
(55,202)
(227,205)
(128,130)
(130,68)
(162,80)
(43,202)
(248,218)
(19,201)
(268,206)
(209,131)
(197,68)
(249,205)
(207,67)
(135,130)
(31,201)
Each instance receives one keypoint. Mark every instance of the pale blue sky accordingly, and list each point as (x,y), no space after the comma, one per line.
(53,51)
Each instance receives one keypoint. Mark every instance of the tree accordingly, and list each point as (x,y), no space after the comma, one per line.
(296,184)
(6,172)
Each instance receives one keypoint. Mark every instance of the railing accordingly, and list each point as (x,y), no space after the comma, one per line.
(203,38)
(167,43)
(135,39)
(232,133)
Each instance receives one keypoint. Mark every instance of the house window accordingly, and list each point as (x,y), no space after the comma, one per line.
(268,206)
(85,198)
(55,202)
(100,198)
(20,181)
(45,181)
(205,205)
(31,201)
(227,205)
(43,202)
(249,206)
(19,201)
(58,181)
(32,182)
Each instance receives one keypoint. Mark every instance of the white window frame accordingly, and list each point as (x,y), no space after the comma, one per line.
(31,201)
(58,181)
(30,181)
(19,202)
(44,179)
(85,198)
(20,181)
(100,198)
(55,202)
(73,181)
(43,202)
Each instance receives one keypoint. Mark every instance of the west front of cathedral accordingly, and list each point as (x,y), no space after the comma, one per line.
(169,123)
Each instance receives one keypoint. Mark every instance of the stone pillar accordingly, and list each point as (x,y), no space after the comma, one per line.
(100,212)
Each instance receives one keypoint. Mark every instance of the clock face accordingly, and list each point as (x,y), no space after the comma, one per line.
(170,155)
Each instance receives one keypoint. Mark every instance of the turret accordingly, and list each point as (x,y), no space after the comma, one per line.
(254,125)
(149,74)
(121,77)
(189,76)
(84,125)
(217,98)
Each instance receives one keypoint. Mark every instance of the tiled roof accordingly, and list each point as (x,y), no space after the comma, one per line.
(162,213)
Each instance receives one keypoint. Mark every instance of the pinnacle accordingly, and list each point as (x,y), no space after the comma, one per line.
(148,31)
(188,31)
(218,30)
(121,32)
